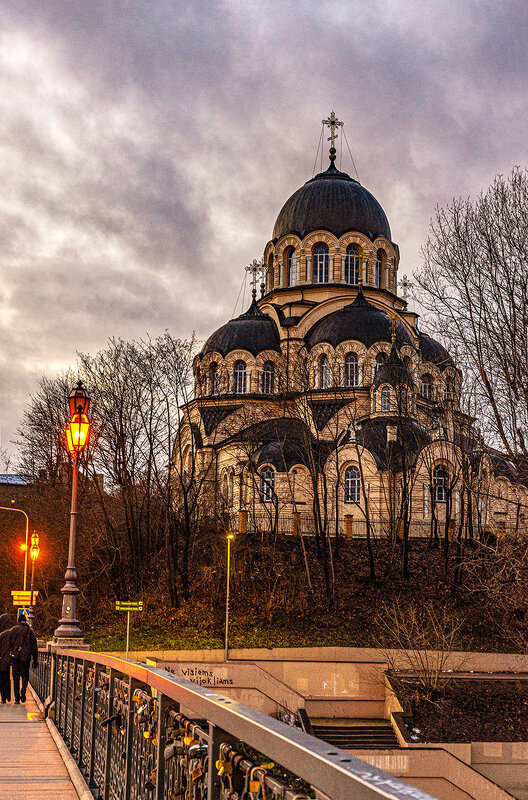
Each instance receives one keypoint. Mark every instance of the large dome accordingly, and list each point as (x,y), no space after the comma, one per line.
(360,321)
(335,202)
(253,331)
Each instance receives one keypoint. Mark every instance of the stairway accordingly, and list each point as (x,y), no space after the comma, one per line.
(356,734)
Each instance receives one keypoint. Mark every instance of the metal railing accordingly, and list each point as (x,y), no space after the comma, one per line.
(138,732)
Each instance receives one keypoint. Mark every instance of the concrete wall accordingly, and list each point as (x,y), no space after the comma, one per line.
(247,683)
(478,662)
(435,771)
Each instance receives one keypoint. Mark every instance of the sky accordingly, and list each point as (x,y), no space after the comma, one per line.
(147,146)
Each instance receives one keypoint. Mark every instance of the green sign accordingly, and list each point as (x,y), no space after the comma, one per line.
(129,605)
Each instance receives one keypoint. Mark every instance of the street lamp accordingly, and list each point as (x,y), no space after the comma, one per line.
(230,536)
(77,438)
(25,546)
(34,554)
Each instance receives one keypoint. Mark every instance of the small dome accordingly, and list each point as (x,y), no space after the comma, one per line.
(335,202)
(359,321)
(434,352)
(253,331)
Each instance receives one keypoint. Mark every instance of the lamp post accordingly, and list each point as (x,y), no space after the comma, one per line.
(77,436)
(23,547)
(34,553)
(230,536)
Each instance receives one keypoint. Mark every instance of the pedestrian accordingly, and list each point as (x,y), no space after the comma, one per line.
(23,646)
(5,658)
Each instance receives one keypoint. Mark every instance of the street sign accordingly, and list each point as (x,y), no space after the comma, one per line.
(21,598)
(129,605)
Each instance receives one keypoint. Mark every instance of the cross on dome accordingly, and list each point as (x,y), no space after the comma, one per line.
(333,123)
(405,285)
(255,269)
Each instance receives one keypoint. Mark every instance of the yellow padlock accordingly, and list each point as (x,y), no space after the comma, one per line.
(254,786)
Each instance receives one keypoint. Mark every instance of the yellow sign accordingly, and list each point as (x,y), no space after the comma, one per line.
(21,598)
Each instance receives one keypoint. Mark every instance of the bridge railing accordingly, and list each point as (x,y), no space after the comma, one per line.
(139,732)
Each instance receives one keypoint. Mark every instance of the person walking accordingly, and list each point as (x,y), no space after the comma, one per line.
(5,658)
(23,645)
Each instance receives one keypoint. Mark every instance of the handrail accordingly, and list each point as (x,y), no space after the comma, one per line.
(106,686)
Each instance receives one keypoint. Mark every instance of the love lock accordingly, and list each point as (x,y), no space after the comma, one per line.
(151,781)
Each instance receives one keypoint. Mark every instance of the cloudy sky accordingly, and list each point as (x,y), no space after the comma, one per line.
(146,147)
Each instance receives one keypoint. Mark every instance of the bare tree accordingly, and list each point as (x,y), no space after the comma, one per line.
(474,281)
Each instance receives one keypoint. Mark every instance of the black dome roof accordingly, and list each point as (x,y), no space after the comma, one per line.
(394,371)
(335,202)
(253,331)
(359,321)
(434,352)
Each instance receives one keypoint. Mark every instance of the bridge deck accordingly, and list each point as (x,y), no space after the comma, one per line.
(30,764)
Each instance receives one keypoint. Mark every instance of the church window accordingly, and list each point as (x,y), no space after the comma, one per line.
(270,274)
(267,483)
(380,360)
(320,264)
(293,268)
(426,386)
(214,378)
(448,390)
(351,370)
(378,268)
(352,485)
(239,374)
(324,373)
(268,378)
(352,264)
(386,399)
(439,484)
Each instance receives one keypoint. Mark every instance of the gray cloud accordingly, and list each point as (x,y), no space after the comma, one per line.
(146,147)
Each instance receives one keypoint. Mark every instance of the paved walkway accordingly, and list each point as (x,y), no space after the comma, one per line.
(30,764)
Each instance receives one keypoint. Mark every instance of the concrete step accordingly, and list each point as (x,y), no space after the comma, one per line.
(377,734)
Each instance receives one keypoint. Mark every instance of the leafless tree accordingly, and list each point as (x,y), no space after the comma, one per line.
(474,281)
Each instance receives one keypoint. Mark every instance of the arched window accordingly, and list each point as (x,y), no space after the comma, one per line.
(448,390)
(270,274)
(268,378)
(351,370)
(386,399)
(214,378)
(320,264)
(352,485)
(267,482)
(352,264)
(325,374)
(239,375)
(426,386)
(439,484)
(230,488)
(378,268)
(293,269)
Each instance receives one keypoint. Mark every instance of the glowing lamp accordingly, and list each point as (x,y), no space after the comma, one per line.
(77,433)
(23,547)
(78,400)
(34,550)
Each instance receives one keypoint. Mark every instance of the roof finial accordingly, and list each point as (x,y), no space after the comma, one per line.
(405,285)
(255,270)
(333,123)
(393,327)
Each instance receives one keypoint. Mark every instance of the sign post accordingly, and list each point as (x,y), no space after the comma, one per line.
(128,606)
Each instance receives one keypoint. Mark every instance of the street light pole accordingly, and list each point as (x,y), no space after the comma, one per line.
(77,435)
(35,550)
(5,508)
(230,536)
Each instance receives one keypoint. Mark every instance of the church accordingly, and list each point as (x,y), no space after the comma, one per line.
(324,408)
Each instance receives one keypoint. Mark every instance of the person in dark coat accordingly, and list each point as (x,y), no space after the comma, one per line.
(5,658)
(23,644)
